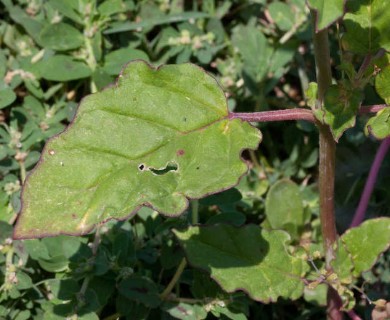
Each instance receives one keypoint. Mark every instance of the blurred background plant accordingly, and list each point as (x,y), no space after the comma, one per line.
(55,52)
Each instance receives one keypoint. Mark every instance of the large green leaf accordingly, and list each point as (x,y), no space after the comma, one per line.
(156,138)
(367,26)
(379,125)
(249,258)
(364,243)
(341,105)
(328,11)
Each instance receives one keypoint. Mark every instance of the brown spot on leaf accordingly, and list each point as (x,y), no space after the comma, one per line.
(180,152)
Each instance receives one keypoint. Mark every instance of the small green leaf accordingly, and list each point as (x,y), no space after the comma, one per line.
(382,84)
(254,49)
(379,125)
(156,138)
(248,258)
(366,242)
(284,208)
(282,15)
(367,24)
(61,37)
(185,311)
(115,60)
(63,68)
(68,8)
(343,263)
(327,11)
(110,7)
(341,105)
(140,289)
(147,23)
(7,96)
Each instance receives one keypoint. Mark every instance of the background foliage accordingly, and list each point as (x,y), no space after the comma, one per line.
(55,52)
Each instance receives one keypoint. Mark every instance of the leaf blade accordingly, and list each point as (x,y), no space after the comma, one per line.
(157,119)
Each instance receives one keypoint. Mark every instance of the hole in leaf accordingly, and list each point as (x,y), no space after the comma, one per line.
(170,167)
(141,167)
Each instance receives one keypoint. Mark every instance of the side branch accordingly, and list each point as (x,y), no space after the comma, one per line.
(275,115)
(292,114)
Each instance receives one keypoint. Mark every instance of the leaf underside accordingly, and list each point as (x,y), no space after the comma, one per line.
(155,138)
(248,258)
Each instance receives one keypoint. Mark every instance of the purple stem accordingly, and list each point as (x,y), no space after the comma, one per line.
(291,114)
(353,315)
(371,180)
(275,115)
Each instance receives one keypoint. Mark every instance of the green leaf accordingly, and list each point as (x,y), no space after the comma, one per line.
(254,49)
(61,37)
(282,15)
(343,263)
(156,21)
(68,8)
(7,96)
(185,311)
(327,11)
(284,208)
(341,105)
(140,289)
(382,84)
(366,242)
(63,68)
(379,125)
(248,258)
(110,7)
(367,24)
(157,138)
(115,60)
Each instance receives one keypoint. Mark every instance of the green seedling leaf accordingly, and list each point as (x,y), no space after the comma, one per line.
(365,243)
(379,125)
(249,258)
(61,37)
(328,11)
(63,68)
(7,96)
(341,105)
(367,24)
(284,208)
(156,138)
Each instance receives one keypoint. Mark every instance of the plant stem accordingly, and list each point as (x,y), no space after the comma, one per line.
(326,166)
(275,115)
(372,109)
(292,114)
(370,183)
(194,220)
(174,279)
